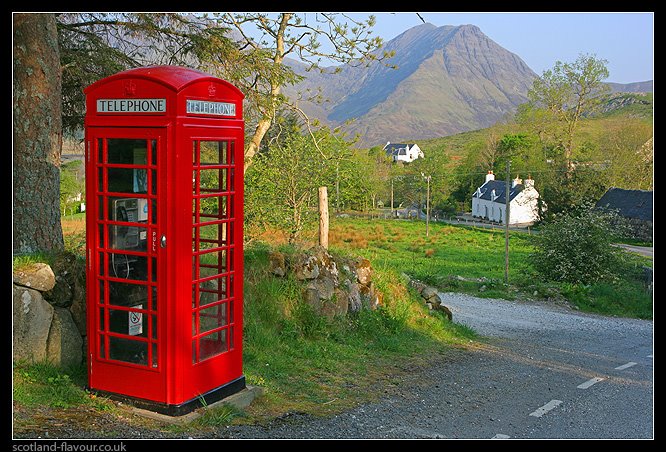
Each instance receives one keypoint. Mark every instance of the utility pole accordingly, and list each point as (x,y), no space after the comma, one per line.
(427,206)
(507,217)
(337,185)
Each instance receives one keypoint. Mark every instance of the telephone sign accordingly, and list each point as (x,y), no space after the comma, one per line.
(164,218)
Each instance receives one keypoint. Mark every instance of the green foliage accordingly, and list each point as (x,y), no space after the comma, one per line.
(625,298)
(282,184)
(96,45)
(72,185)
(43,384)
(576,247)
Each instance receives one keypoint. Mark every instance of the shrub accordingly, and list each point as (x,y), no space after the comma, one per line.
(576,247)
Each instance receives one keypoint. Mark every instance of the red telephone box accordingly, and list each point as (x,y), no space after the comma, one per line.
(164,166)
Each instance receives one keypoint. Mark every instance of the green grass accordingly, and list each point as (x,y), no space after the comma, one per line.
(473,253)
(43,384)
(308,363)
(21,261)
(625,299)
(449,251)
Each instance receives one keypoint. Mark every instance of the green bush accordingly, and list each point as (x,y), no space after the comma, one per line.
(576,247)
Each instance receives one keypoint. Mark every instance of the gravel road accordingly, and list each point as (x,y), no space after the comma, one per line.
(522,382)
(539,371)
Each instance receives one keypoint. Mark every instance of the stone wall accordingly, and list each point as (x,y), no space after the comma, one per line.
(331,285)
(49,312)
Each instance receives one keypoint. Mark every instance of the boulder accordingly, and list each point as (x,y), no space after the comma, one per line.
(369,297)
(38,276)
(277,264)
(430,292)
(435,300)
(64,346)
(325,287)
(337,306)
(440,307)
(306,268)
(353,296)
(32,317)
(417,285)
(61,294)
(68,270)
(363,271)
(78,307)
(325,261)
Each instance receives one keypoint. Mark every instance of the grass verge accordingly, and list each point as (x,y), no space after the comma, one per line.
(42,384)
(310,364)
(460,258)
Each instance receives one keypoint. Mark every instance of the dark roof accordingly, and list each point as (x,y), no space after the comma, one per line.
(499,186)
(393,148)
(628,203)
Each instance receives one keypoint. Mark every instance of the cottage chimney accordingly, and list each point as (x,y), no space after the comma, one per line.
(529,182)
(516,181)
(490,176)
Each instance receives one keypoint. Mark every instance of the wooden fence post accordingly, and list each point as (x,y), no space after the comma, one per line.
(323,217)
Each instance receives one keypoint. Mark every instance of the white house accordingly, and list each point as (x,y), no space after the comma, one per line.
(489,202)
(403,152)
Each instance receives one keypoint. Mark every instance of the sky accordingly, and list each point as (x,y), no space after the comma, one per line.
(625,40)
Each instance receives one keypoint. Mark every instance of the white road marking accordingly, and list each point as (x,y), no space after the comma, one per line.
(626,366)
(546,408)
(650,356)
(501,436)
(590,382)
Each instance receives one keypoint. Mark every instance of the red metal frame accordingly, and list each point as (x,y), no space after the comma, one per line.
(199,283)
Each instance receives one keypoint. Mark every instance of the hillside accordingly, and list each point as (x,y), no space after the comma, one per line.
(635,105)
(636,87)
(448,80)
(591,129)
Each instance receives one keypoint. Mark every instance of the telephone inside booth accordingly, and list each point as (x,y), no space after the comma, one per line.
(128,209)
(131,208)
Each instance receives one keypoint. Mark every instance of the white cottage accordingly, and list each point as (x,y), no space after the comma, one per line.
(403,152)
(489,202)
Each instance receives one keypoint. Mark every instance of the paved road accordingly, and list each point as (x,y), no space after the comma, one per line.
(647,251)
(541,372)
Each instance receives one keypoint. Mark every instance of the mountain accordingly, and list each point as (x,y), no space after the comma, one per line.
(448,80)
(636,87)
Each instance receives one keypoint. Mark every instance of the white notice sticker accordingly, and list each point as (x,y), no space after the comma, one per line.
(135,322)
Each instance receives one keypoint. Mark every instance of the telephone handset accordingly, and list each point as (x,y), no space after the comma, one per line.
(121,215)
(129,210)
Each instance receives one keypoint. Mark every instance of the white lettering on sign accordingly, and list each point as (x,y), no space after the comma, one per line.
(135,322)
(154,241)
(131,105)
(205,107)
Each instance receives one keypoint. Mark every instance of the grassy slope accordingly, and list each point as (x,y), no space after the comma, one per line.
(310,364)
(590,129)
(471,253)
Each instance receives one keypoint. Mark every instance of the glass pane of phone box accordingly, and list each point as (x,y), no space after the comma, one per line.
(128,208)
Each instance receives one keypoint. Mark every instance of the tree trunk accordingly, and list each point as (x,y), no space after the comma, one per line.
(37,122)
(253,146)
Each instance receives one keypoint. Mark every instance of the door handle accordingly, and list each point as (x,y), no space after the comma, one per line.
(163,241)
